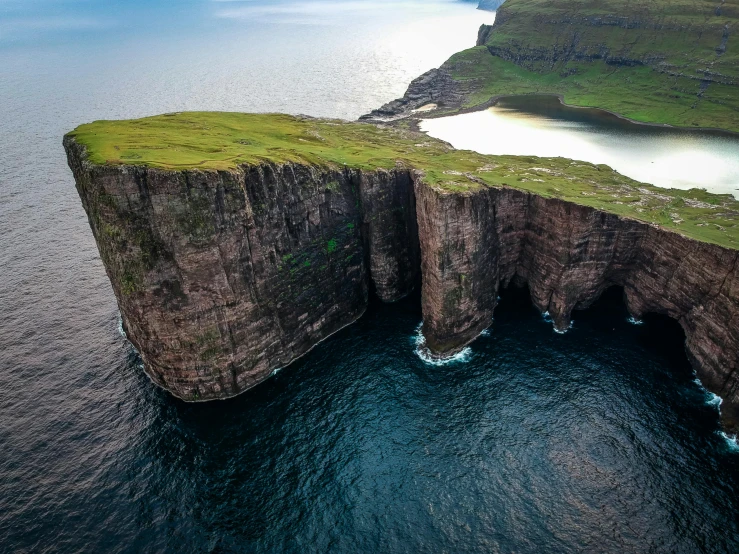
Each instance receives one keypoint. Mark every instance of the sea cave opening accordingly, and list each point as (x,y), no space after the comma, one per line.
(657,332)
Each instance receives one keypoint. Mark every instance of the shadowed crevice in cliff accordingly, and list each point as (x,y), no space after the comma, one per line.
(389,230)
(568,255)
(657,333)
(223,277)
(667,336)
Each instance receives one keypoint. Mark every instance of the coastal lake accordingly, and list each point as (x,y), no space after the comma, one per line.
(542,126)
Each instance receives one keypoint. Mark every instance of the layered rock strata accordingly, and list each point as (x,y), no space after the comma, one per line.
(436,86)
(224,276)
(569,254)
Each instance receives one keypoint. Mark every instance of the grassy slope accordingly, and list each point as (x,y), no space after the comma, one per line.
(563,47)
(221,141)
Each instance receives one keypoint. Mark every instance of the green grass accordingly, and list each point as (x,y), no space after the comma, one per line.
(680,76)
(223,141)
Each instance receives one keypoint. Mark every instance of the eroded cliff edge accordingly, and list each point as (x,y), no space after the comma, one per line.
(569,255)
(236,242)
(224,276)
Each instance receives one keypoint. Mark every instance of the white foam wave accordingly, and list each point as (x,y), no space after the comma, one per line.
(548,319)
(425,354)
(731,440)
(120,327)
(563,331)
(635,321)
(712,399)
(715,400)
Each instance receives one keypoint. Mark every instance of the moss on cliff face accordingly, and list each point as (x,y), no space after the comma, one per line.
(223,276)
(219,141)
(658,61)
(568,255)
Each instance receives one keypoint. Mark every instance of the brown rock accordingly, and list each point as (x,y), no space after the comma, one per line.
(569,254)
(223,277)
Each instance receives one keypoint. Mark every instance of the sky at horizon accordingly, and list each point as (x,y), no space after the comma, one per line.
(128,58)
(58,22)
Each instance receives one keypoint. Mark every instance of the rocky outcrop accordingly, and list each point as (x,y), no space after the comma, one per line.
(483,33)
(436,86)
(568,255)
(224,276)
(390,232)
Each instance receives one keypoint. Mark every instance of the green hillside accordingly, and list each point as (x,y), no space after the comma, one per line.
(216,141)
(658,61)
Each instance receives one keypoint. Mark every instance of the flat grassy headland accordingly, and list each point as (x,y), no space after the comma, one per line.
(658,61)
(212,141)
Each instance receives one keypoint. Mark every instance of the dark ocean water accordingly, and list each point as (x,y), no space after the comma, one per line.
(598,440)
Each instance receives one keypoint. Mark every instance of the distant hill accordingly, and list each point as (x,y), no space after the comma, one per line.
(667,61)
(658,61)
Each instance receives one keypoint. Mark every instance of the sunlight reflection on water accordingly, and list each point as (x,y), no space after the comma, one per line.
(534,126)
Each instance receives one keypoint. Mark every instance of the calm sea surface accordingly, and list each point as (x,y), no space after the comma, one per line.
(598,440)
(542,126)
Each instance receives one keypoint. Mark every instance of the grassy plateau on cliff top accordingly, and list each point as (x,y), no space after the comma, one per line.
(658,61)
(223,141)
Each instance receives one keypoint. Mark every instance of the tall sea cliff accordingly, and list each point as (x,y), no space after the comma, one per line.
(568,255)
(225,275)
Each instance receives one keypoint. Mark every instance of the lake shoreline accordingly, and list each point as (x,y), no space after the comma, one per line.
(414,121)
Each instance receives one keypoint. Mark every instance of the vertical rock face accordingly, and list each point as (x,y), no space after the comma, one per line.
(223,277)
(569,254)
(696,284)
(390,231)
(460,266)
(483,34)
